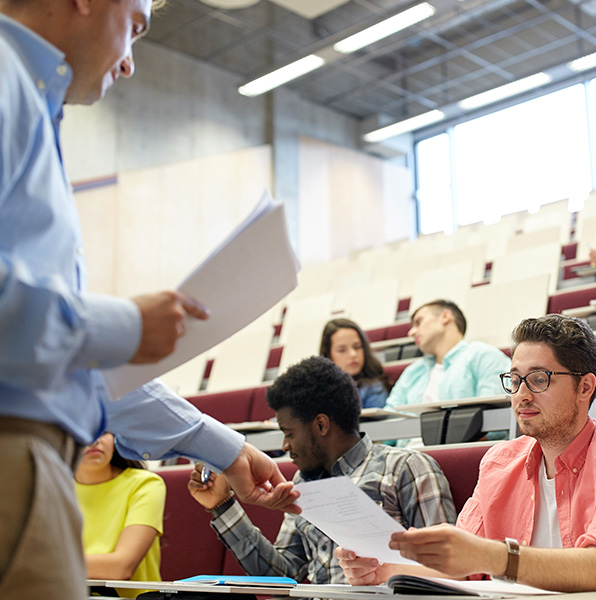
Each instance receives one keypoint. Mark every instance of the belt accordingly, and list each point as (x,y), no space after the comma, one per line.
(64,444)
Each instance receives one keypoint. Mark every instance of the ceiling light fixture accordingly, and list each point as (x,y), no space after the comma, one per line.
(505,91)
(381,30)
(282,75)
(389,131)
(584,63)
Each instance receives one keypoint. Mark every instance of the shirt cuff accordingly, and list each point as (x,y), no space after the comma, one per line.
(226,522)
(113,330)
(215,444)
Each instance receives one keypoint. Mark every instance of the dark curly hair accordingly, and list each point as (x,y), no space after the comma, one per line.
(317,385)
(571,340)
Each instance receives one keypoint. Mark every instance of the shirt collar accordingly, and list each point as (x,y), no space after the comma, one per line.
(44,62)
(449,357)
(574,456)
(346,464)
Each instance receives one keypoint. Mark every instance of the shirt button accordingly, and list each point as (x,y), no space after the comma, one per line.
(41,85)
(574,470)
(61,70)
(524,542)
(146,456)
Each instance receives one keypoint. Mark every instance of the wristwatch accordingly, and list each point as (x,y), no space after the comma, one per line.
(512,560)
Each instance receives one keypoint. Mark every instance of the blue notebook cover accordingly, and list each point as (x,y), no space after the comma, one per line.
(244,580)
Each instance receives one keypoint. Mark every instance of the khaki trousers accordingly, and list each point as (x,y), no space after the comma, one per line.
(41,554)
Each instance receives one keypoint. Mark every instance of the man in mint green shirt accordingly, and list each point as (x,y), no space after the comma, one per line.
(451,368)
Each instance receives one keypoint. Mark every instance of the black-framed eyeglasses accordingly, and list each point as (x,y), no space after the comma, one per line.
(536,381)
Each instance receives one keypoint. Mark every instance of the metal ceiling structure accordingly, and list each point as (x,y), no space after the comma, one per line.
(467,47)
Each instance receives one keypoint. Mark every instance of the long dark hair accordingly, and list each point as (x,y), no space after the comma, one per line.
(372,370)
(125,463)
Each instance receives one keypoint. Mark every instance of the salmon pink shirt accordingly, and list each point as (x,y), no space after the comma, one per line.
(504,501)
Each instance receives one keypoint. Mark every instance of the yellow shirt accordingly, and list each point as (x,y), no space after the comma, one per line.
(134,497)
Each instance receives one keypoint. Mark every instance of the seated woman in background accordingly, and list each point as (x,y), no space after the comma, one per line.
(122,506)
(348,347)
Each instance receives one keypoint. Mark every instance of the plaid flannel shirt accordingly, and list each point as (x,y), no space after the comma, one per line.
(407,484)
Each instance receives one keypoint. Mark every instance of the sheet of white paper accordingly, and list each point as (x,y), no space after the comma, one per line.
(252,270)
(343,512)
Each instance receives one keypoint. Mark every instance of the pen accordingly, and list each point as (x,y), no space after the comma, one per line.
(205,473)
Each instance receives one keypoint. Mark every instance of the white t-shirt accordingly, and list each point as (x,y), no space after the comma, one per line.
(431,393)
(546,520)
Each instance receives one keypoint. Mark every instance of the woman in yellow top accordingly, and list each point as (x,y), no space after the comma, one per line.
(122,506)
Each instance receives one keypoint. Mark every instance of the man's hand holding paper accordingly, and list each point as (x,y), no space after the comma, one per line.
(342,511)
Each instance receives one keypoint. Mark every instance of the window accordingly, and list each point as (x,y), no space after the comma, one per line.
(511,160)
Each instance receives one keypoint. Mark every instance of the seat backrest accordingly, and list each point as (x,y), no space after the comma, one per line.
(188,545)
(394,370)
(495,309)
(241,360)
(461,466)
(259,409)
(226,407)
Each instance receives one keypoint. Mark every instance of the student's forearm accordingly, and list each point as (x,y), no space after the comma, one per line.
(562,570)
(108,566)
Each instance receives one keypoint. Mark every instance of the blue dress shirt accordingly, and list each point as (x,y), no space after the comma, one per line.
(55,337)
(471,370)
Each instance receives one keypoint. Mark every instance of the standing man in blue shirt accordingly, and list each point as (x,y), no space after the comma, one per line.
(55,337)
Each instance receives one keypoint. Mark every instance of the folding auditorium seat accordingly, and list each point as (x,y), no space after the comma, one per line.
(241,360)
(186,379)
(452,282)
(495,309)
(461,466)
(518,265)
(373,305)
(226,407)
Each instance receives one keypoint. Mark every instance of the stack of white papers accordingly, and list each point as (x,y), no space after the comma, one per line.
(252,270)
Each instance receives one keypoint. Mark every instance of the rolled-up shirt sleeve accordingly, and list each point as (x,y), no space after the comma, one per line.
(47,331)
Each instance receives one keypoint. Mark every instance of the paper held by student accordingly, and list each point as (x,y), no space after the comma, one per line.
(252,270)
(343,512)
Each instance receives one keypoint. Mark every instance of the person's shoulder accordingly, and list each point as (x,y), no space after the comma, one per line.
(142,477)
(485,348)
(418,364)
(507,451)
(396,454)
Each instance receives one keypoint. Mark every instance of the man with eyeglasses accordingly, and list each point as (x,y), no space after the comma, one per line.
(532,517)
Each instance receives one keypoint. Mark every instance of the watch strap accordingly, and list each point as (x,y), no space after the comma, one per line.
(512,559)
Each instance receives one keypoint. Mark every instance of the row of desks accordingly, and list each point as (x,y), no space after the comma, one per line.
(387,425)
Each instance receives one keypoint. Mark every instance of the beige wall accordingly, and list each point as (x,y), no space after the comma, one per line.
(349,200)
(147,231)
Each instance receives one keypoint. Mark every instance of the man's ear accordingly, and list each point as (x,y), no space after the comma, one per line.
(83,7)
(587,385)
(322,424)
(446,317)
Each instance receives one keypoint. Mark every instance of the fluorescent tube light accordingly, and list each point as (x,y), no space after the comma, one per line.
(583,63)
(378,135)
(282,75)
(381,30)
(504,91)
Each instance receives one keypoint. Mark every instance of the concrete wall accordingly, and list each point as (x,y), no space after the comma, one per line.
(175,109)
